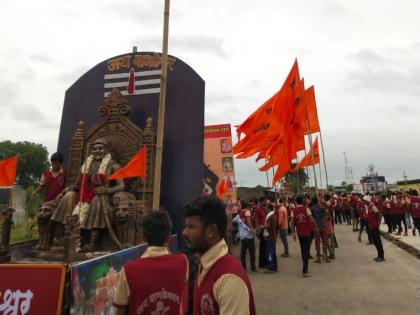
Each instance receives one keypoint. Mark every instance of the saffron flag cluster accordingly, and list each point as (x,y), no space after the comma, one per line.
(8,171)
(277,129)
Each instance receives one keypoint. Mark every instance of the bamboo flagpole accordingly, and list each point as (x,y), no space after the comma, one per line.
(161,117)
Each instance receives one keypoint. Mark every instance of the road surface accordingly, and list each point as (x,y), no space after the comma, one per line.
(352,284)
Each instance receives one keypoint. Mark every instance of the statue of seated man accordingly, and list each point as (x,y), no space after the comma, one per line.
(90,199)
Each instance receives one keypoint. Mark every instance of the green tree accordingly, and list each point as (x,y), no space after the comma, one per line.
(33,160)
(294,183)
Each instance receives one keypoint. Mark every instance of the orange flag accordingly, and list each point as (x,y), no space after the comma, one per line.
(256,118)
(312,110)
(279,110)
(135,168)
(307,159)
(8,171)
(222,188)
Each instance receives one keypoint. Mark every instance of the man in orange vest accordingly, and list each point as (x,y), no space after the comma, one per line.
(156,283)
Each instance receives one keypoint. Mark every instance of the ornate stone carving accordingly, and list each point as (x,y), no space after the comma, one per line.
(44,225)
(71,238)
(76,154)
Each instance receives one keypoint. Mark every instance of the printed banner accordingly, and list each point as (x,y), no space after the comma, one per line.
(219,162)
(31,289)
(93,282)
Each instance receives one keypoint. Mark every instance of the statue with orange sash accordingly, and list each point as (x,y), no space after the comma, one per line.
(90,199)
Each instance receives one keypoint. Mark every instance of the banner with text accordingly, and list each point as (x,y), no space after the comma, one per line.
(31,289)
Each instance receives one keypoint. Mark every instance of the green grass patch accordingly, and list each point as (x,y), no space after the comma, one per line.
(26,231)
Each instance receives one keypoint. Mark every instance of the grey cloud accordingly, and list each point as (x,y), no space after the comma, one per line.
(406,109)
(368,57)
(143,13)
(200,44)
(194,44)
(229,99)
(8,91)
(70,77)
(333,9)
(26,113)
(374,72)
(42,58)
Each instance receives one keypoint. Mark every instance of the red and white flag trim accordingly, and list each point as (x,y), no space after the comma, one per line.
(133,83)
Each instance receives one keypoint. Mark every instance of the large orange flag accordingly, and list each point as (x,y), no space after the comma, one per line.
(135,168)
(258,117)
(8,171)
(307,159)
(270,129)
(222,188)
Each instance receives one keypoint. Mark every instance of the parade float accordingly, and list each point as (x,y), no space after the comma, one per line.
(86,234)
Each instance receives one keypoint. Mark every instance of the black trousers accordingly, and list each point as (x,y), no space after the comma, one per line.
(305,244)
(262,262)
(376,237)
(416,222)
(248,245)
(364,226)
(388,221)
(339,217)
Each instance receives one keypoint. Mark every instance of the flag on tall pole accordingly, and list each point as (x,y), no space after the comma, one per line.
(135,168)
(8,171)
(311,158)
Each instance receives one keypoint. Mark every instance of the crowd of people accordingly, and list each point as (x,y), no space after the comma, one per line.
(210,280)
(313,218)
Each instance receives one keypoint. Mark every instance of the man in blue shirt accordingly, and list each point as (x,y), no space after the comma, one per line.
(246,234)
(318,213)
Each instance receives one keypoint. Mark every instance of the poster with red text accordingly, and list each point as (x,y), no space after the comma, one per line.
(31,289)
(219,162)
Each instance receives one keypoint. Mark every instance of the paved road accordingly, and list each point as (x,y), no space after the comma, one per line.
(352,284)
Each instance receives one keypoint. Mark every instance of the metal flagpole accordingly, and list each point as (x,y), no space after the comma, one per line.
(306,168)
(320,175)
(323,157)
(312,155)
(161,116)
(266,173)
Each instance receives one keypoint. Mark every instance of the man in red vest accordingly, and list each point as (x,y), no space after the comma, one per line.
(222,285)
(414,202)
(156,283)
(374,221)
(52,181)
(302,221)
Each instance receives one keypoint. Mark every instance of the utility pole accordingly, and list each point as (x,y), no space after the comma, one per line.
(405,180)
(346,169)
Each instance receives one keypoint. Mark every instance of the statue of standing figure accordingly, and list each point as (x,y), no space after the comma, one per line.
(90,198)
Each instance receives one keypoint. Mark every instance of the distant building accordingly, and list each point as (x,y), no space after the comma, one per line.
(246,193)
(373,183)
(413,184)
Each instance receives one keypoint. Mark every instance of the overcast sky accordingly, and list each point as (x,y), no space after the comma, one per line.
(362,56)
